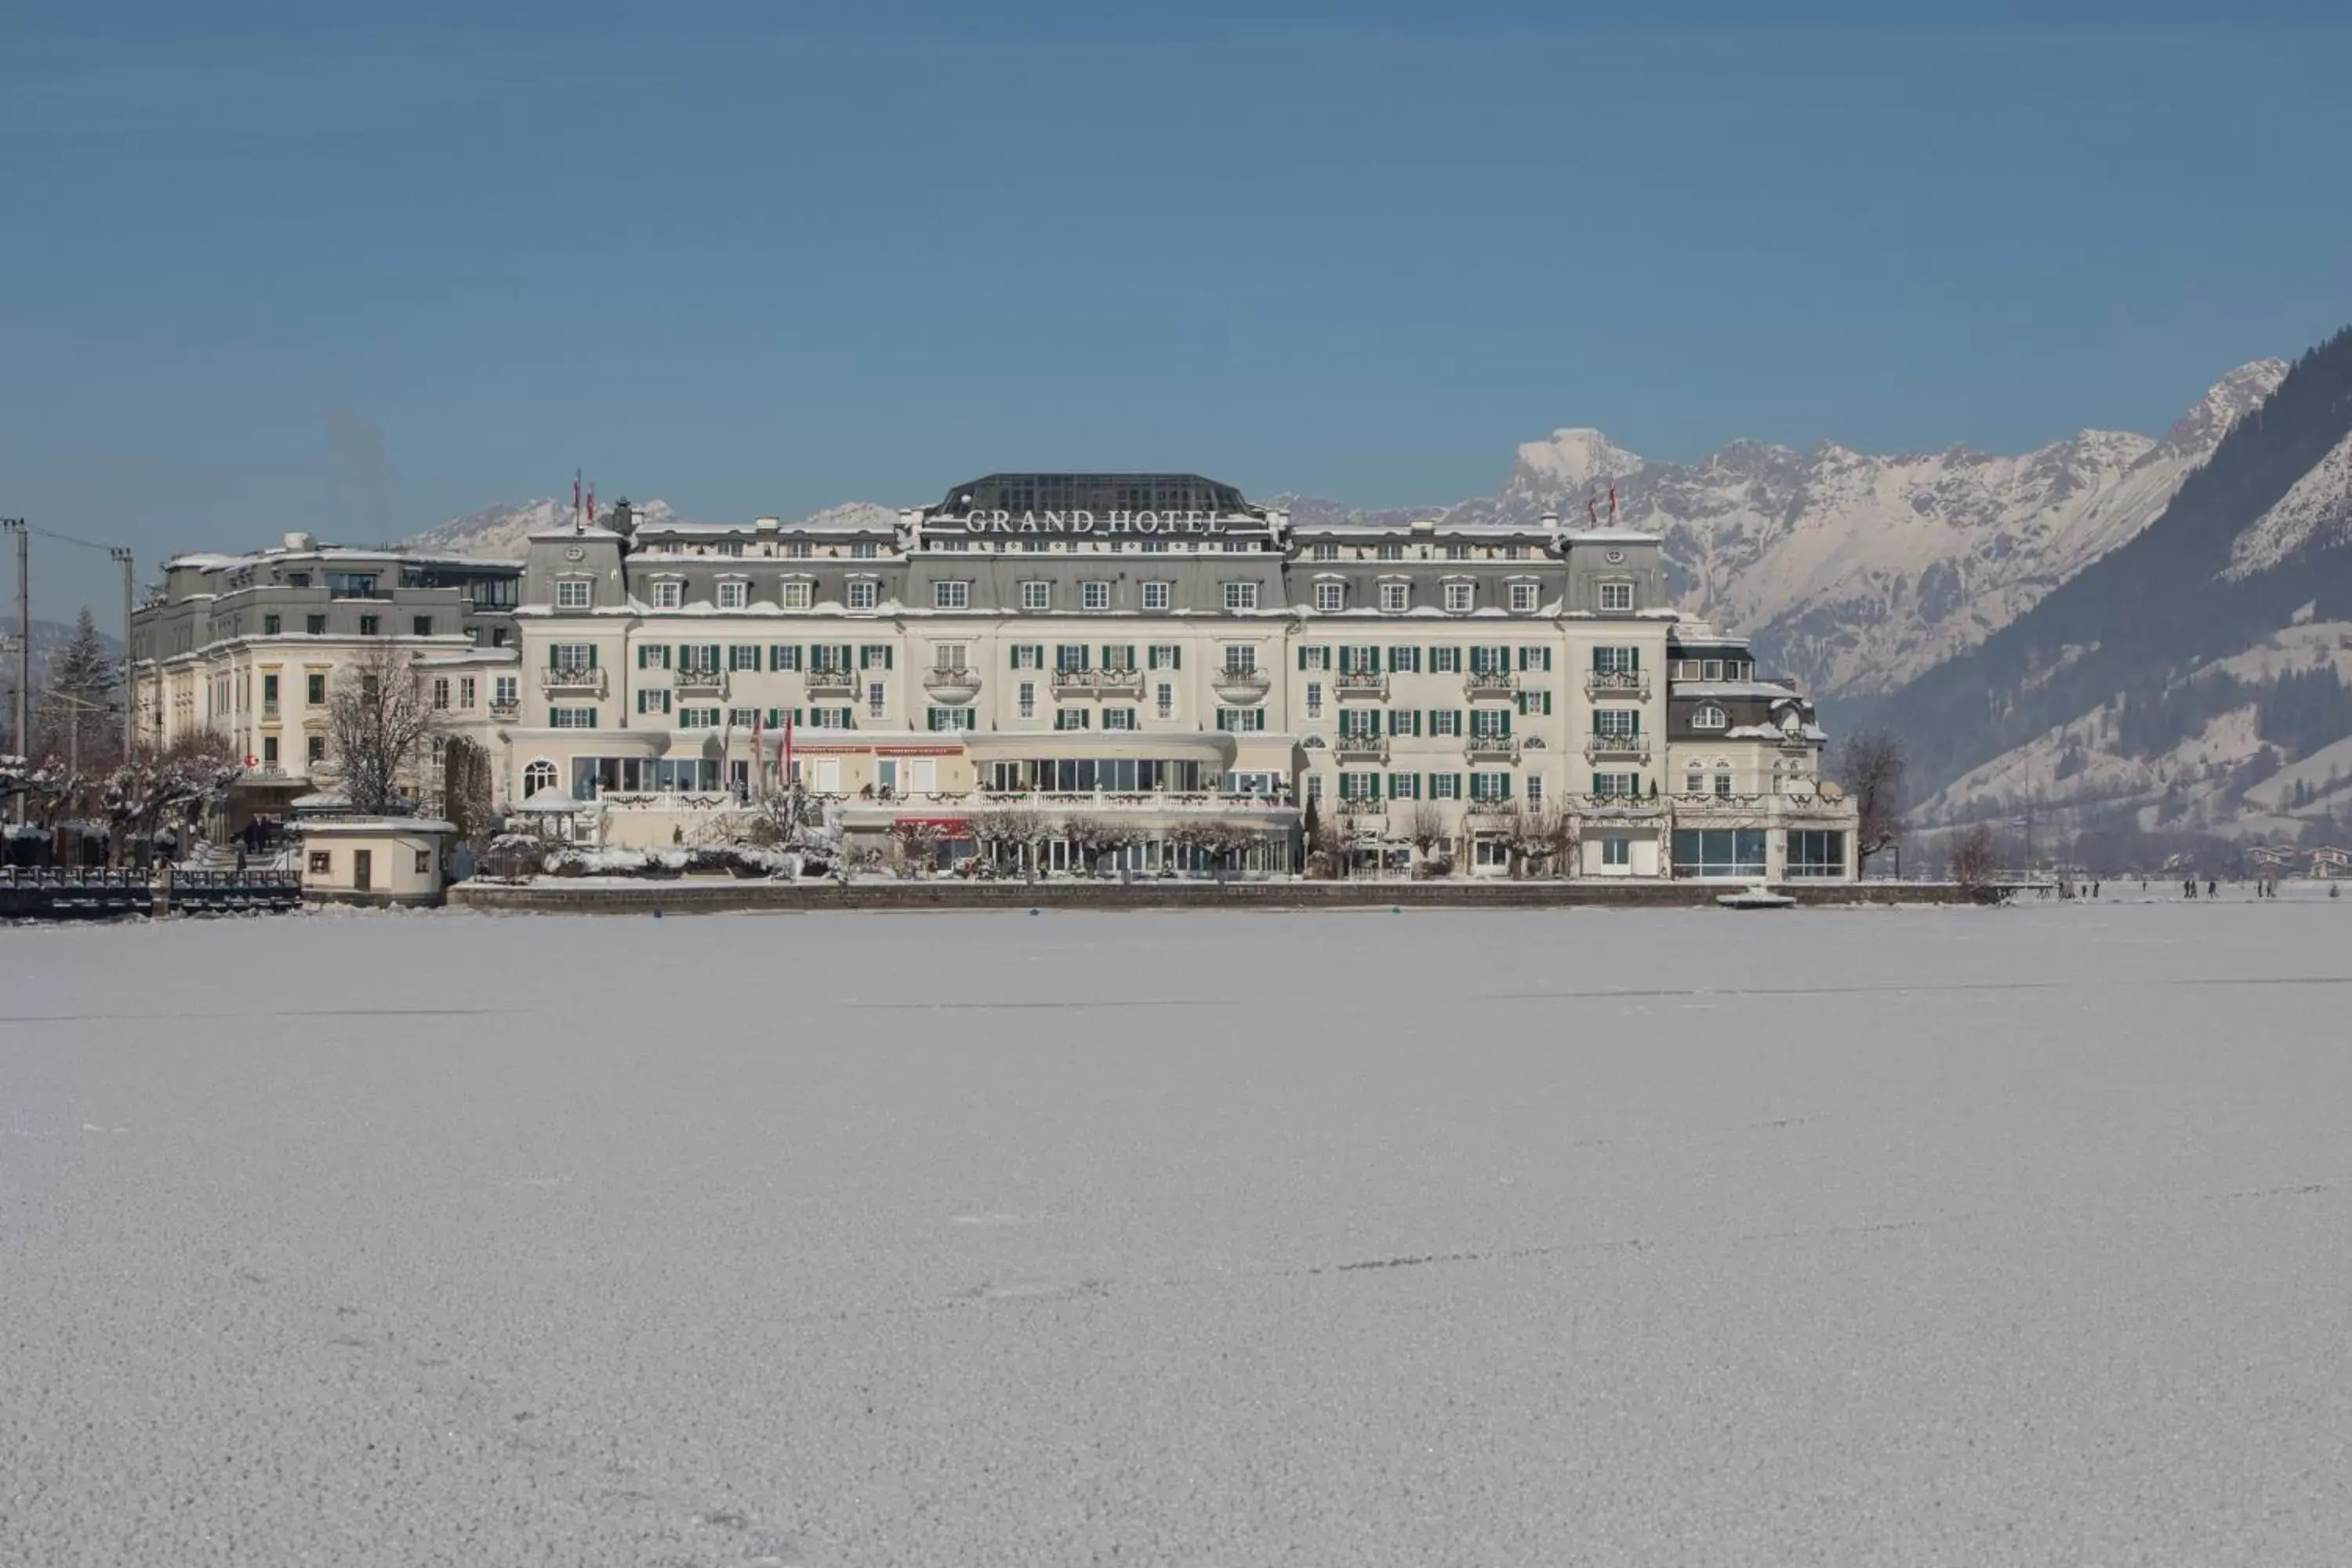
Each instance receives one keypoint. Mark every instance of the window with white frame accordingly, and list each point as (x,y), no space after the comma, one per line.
(1523,598)
(1390,553)
(1460,597)
(541,774)
(1613,785)
(734,594)
(1164,706)
(572,655)
(730,547)
(797,594)
(1315,700)
(1395,597)
(1241,595)
(1165,656)
(1535,789)
(1036,595)
(1118,719)
(1446,787)
(1616,660)
(1617,851)
(1457,553)
(1616,597)
(1158,595)
(864,550)
(1093,596)
(1325,551)
(1027,698)
(956,595)
(1446,661)
(865,592)
(669,593)
(1617,723)
(1314,656)
(502,690)
(1709,716)
(1241,658)
(1330,597)
(440,691)
(950,656)
(796,550)
(465,692)
(573,592)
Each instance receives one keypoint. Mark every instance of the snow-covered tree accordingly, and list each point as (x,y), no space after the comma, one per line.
(380,728)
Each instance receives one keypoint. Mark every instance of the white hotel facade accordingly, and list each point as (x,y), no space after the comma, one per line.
(1144,651)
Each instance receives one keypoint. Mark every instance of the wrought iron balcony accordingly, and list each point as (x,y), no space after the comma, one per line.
(1362,683)
(1364,748)
(581,681)
(1620,683)
(700,682)
(1099,682)
(1491,748)
(1242,685)
(1626,747)
(954,684)
(1489,683)
(830,679)
(508,710)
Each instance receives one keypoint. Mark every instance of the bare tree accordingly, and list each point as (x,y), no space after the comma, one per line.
(1218,842)
(1975,857)
(1424,828)
(379,726)
(917,846)
(170,789)
(1542,836)
(1870,765)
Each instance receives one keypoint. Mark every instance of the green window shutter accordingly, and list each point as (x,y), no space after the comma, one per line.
(1347,659)
(1302,656)
(644,653)
(1547,704)
(1176,656)
(889,655)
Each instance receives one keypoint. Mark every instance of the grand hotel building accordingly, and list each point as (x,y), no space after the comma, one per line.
(1151,650)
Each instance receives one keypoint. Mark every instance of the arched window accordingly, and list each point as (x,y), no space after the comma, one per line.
(1709,716)
(539,776)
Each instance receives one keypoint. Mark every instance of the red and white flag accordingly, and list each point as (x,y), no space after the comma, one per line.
(1592,510)
(1612,497)
(576,500)
(591,500)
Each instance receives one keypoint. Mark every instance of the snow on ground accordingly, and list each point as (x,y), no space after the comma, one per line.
(1983,1236)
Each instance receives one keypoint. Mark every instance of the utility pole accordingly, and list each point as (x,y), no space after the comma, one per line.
(15,525)
(121,557)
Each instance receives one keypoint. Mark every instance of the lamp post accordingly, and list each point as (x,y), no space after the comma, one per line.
(121,558)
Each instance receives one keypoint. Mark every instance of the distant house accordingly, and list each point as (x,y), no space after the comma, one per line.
(2327,860)
(2274,859)
(373,860)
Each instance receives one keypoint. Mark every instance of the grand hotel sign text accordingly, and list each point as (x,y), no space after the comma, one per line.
(1088,523)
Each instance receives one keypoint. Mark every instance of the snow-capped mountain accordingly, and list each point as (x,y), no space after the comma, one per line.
(1856,571)
(502,531)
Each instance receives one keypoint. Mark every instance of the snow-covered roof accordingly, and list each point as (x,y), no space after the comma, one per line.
(1768,690)
(558,535)
(369,824)
(469,656)
(1613,536)
(279,554)
(551,800)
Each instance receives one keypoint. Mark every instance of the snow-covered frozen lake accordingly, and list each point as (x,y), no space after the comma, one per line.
(1682,1237)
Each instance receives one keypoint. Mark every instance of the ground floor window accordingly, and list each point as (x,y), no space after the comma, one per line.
(1816,852)
(1718,852)
(539,776)
(1490,853)
(1617,850)
(634,775)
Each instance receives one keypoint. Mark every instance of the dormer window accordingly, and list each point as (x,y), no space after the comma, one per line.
(1330,597)
(734,594)
(669,593)
(864,550)
(796,549)
(1324,552)
(1391,553)
(730,547)
(1616,598)
(1709,716)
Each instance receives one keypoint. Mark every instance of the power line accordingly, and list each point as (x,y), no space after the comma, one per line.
(70,539)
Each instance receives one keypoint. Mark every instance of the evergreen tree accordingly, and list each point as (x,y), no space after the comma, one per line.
(76,698)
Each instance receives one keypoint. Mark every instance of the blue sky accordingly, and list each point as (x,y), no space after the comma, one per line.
(290,268)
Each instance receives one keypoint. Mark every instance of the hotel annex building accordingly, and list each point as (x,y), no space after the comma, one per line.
(1146,650)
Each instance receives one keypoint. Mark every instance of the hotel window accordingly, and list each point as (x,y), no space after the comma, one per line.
(1446,661)
(1404,721)
(502,690)
(1390,553)
(1445,721)
(1093,596)
(322,862)
(1457,553)
(1535,656)
(951,596)
(947,656)
(1490,723)
(1070,719)
(1695,781)
(1534,790)
(876,699)
(269,625)
(949,718)
(314,690)
(730,547)
(1816,852)
(1028,698)
(1712,669)
(422,626)
(784,655)
(1330,598)
(1239,720)
(1404,786)
(1028,656)
(1723,786)
(1395,597)
(270,751)
(1118,657)
(1490,786)
(1516,552)
(1314,658)
(796,549)
(1354,787)
(1237,546)
(1071,656)
(1241,595)
(316,625)
(1709,716)
(1446,787)
(743,655)
(734,595)
(1158,595)
(1324,553)
(1404,659)
(1616,660)
(1718,852)
(865,592)
(1617,723)
(539,776)
(1154,547)
(572,717)
(314,747)
(570,593)
(371,626)
(1612,784)
(1460,598)
(1315,700)
(1241,658)
(864,550)
(1166,706)
(1523,598)
(652,700)
(742,718)
(1036,595)
(1118,719)
(1616,597)
(1314,788)
(440,691)
(668,594)
(465,692)
(796,593)
(1617,850)
(1166,655)
(698,718)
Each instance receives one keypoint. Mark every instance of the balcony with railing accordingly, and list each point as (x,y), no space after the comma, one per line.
(573,680)
(1362,683)
(1625,685)
(507,709)
(827,678)
(1492,809)
(1491,749)
(1489,683)
(1242,685)
(700,682)
(1361,748)
(1116,682)
(1618,748)
(952,685)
